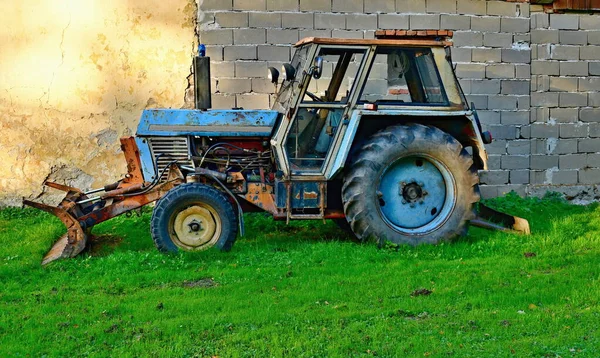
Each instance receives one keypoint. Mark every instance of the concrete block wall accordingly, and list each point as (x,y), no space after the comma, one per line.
(493,61)
(542,113)
(565,118)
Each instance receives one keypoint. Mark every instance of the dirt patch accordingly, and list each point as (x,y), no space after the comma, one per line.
(203,282)
(112,329)
(421,292)
(410,315)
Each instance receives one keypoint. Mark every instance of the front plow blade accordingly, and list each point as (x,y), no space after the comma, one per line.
(489,218)
(71,243)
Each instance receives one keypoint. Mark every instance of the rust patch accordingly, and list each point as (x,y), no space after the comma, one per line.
(311,195)
(132,157)
(262,196)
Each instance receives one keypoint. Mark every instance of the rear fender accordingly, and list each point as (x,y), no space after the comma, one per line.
(462,125)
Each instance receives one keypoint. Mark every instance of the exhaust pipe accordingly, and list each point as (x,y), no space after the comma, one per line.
(202,90)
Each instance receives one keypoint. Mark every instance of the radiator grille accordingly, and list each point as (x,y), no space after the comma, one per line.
(172,148)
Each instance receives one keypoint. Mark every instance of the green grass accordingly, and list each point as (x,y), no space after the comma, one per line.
(305,291)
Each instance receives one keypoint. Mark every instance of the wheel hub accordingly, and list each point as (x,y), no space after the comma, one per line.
(413,192)
(195,227)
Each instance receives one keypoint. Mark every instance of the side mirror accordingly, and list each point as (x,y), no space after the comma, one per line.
(273,75)
(289,72)
(317,69)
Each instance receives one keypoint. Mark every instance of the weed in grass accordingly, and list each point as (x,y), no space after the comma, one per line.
(305,290)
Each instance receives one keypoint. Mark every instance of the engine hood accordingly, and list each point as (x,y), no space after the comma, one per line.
(213,123)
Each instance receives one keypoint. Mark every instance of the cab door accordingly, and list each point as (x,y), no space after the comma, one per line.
(325,100)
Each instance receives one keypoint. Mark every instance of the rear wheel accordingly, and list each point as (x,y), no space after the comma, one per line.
(193,217)
(410,184)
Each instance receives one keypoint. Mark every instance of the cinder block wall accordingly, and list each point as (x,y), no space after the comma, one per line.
(565,118)
(543,113)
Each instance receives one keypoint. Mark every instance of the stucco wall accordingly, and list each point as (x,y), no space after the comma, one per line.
(75,76)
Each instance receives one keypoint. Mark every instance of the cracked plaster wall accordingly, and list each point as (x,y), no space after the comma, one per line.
(75,76)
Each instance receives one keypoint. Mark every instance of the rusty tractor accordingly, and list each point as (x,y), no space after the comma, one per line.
(375,134)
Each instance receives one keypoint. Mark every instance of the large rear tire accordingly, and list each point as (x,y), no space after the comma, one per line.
(410,184)
(193,217)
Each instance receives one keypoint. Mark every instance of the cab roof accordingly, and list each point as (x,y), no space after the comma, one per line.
(426,42)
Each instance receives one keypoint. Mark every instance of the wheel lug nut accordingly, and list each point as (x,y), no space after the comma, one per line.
(421,184)
(403,183)
(412,205)
(403,201)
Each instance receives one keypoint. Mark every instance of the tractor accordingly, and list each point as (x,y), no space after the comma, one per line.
(375,134)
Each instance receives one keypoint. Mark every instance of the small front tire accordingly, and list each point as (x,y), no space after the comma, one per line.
(193,217)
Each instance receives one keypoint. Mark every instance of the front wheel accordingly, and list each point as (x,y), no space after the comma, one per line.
(193,217)
(410,184)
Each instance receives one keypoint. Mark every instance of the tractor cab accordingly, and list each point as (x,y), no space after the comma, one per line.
(330,84)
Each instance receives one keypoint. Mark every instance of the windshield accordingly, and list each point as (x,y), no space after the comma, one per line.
(288,88)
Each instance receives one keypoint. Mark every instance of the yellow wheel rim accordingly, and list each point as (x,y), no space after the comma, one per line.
(196,228)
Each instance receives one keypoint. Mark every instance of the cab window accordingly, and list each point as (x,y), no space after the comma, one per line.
(403,76)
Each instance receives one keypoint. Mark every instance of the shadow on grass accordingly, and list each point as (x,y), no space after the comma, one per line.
(103,245)
(133,234)
(550,218)
(542,213)
(545,215)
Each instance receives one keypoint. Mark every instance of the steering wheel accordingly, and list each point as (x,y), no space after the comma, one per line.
(314,97)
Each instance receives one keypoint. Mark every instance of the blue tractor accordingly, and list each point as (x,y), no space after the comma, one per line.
(375,134)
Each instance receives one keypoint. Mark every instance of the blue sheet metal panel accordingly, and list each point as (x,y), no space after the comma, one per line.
(280,194)
(304,195)
(146,159)
(214,123)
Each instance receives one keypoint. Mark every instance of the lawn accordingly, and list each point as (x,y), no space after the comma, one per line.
(304,290)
